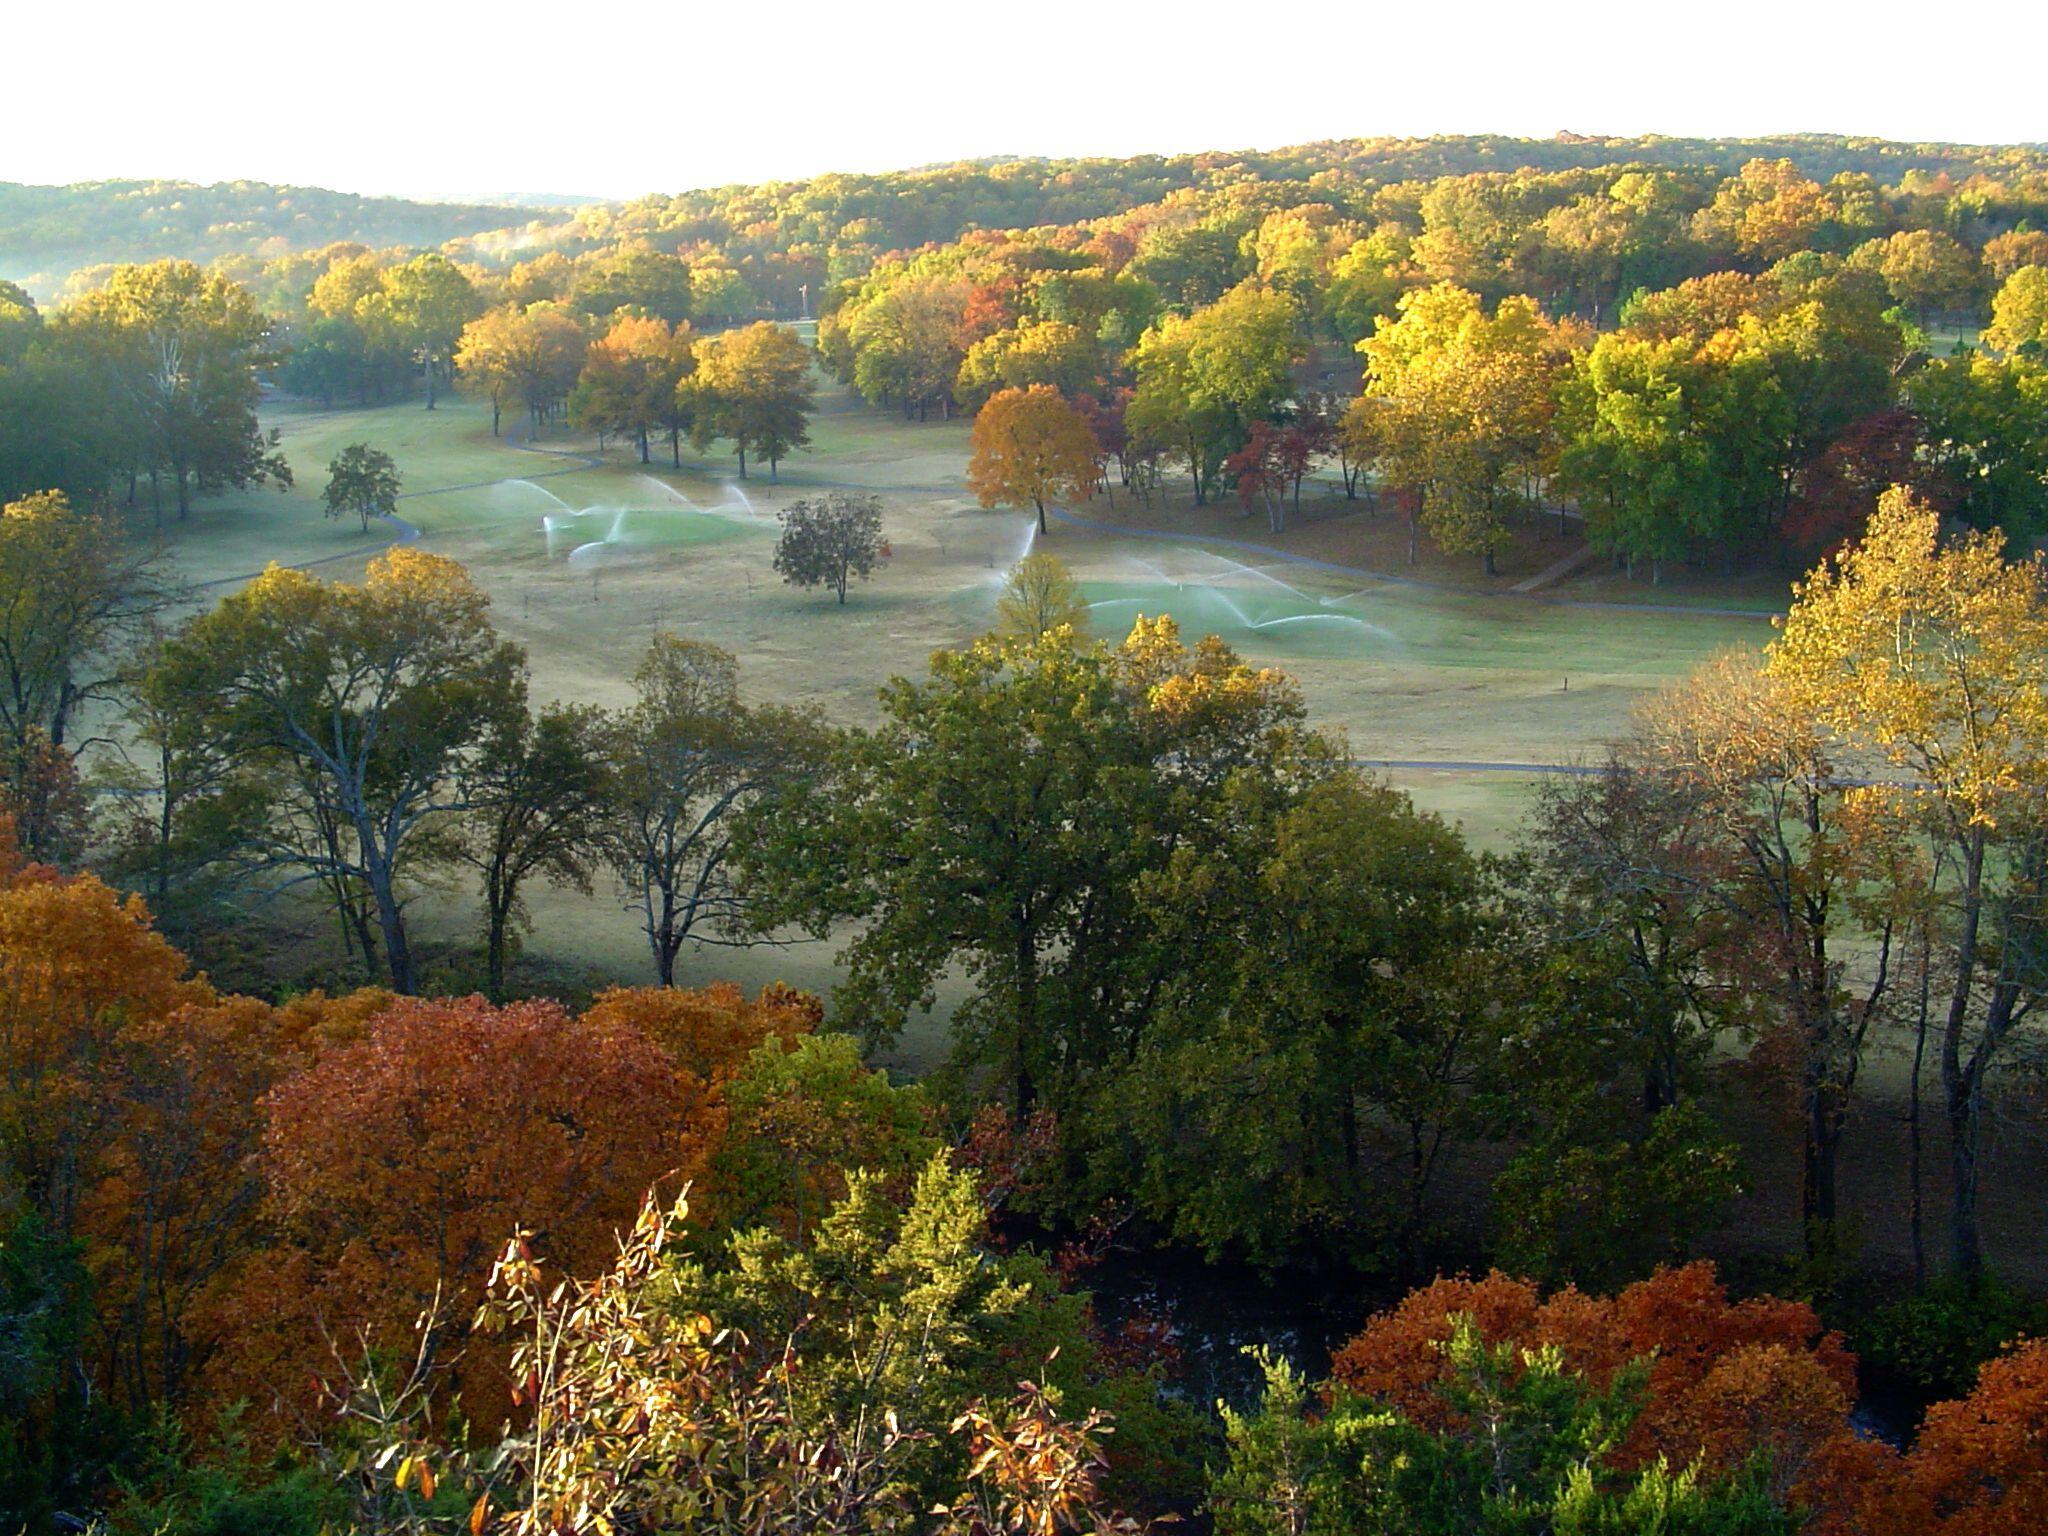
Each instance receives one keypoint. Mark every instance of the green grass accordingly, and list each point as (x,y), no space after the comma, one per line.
(1406,672)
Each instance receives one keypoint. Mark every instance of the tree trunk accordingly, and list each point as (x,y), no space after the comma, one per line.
(644,459)
(1915,1206)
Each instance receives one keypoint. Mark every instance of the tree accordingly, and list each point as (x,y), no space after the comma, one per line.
(1926,271)
(685,761)
(753,385)
(1984,434)
(1470,400)
(1934,658)
(394,1162)
(362,480)
(533,355)
(633,382)
(78,963)
(827,541)
(805,1115)
(75,588)
(1299,1093)
(1702,1358)
(2019,312)
(186,345)
(538,795)
(1039,596)
(1031,446)
(1204,378)
(429,301)
(1520,1442)
(999,822)
(370,701)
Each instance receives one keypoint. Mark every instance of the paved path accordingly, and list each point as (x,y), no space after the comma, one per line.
(405,533)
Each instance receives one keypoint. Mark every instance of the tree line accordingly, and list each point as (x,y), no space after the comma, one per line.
(287,1266)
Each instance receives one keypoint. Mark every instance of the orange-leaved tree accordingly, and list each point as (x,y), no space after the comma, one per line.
(1727,1380)
(396,1162)
(1031,447)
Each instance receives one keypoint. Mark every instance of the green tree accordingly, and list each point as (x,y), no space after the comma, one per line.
(997,825)
(186,346)
(538,797)
(362,480)
(370,701)
(829,540)
(1204,378)
(430,300)
(684,761)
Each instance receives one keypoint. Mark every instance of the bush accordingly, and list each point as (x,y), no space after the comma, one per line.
(1936,1339)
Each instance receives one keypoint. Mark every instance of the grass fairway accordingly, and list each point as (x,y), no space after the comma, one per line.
(585,555)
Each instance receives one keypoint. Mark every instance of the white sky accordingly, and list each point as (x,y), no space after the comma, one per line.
(619,97)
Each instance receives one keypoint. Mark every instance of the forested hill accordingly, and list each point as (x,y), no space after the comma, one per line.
(48,232)
(904,209)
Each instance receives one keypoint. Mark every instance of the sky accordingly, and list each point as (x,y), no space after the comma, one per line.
(431,98)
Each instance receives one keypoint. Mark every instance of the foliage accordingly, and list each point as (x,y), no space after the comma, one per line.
(365,704)
(393,1162)
(1521,1446)
(362,480)
(830,540)
(1039,596)
(1937,1338)
(1031,446)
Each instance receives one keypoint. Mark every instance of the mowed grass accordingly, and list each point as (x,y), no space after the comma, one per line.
(584,562)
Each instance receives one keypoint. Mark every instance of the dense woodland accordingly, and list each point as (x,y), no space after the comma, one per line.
(287,1252)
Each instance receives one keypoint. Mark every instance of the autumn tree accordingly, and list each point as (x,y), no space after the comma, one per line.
(532,356)
(829,540)
(1470,400)
(753,387)
(2019,311)
(1030,446)
(369,702)
(1931,656)
(361,480)
(394,1164)
(75,589)
(630,383)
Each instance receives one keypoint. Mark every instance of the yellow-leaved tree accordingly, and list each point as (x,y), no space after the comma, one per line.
(1932,657)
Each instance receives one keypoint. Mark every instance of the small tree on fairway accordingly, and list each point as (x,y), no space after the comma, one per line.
(362,480)
(1038,597)
(829,540)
